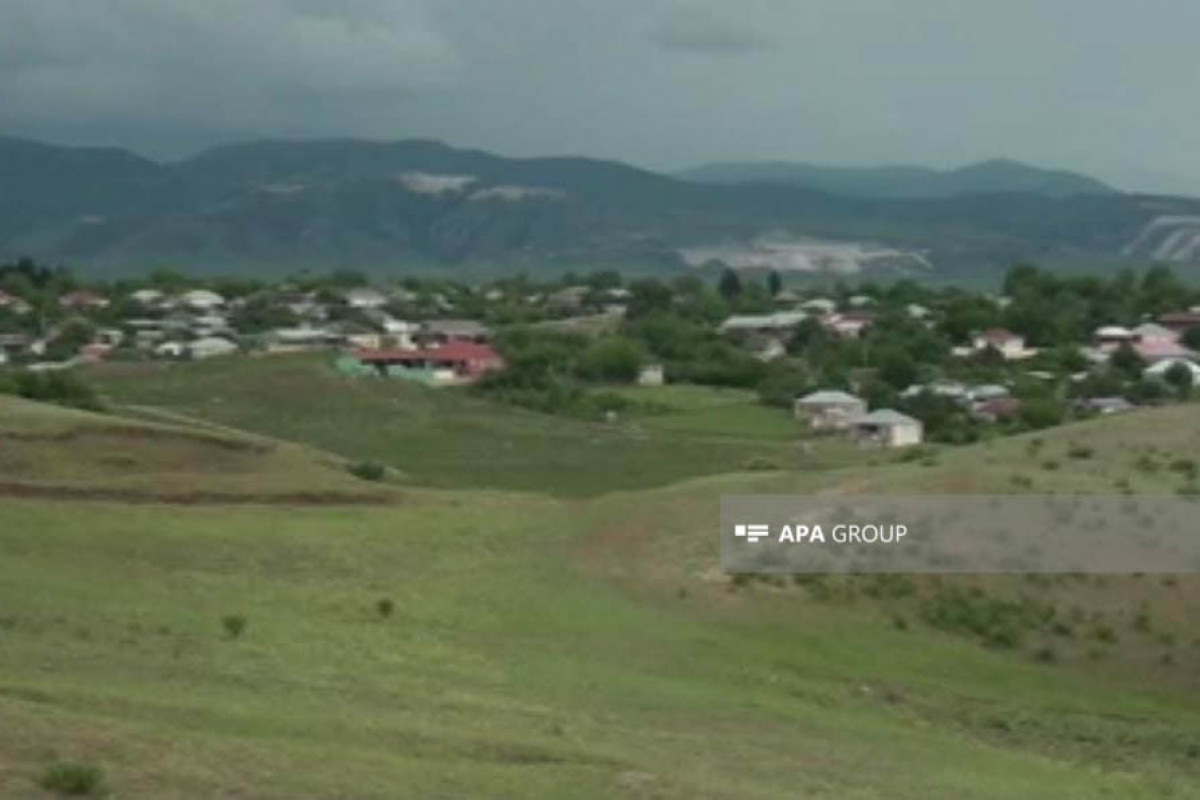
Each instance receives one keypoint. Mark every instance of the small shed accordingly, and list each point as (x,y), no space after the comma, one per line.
(651,375)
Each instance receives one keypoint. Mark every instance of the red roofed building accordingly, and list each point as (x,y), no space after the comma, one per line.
(451,363)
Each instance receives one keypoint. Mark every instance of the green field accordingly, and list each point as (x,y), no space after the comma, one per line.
(543,645)
(449,438)
(530,655)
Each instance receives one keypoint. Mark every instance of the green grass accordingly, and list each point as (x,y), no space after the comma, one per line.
(530,654)
(550,647)
(450,438)
(67,451)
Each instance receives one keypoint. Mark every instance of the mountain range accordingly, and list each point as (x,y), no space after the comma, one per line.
(276,207)
(907,182)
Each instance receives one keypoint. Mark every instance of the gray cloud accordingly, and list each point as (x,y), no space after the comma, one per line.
(707,29)
(1100,87)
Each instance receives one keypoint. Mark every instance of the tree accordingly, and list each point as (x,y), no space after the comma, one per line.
(1126,360)
(730,285)
(1179,376)
(774,283)
(646,297)
(612,358)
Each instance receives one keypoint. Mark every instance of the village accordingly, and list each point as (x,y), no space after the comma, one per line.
(866,363)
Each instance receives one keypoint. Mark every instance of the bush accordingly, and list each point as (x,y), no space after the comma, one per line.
(76,780)
(385,608)
(234,625)
(761,464)
(61,387)
(367,470)
(1080,451)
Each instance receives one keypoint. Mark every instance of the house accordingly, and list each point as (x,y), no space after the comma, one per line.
(201,300)
(996,408)
(444,331)
(459,362)
(953,390)
(147,297)
(1153,343)
(83,301)
(651,375)
(305,337)
(12,344)
(1159,370)
(171,350)
(986,392)
(13,303)
(849,324)
(569,299)
(762,323)
(364,297)
(829,409)
(1110,337)
(1107,405)
(821,306)
(888,428)
(211,347)
(917,311)
(1008,344)
(1180,321)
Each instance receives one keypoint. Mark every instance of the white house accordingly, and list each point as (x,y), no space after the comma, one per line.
(1009,344)
(211,347)
(829,409)
(364,297)
(763,323)
(202,300)
(888,428)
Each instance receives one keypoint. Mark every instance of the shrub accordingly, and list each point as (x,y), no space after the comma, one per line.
(385,607)
(1046,655)
(234,625)
(367,470)
(1080,452)
(1050,465)
(761,464)
(899,622)
(76,780)
(1185,465)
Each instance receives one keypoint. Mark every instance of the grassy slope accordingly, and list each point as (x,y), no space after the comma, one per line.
(447,438)
(562,648)
(48,447)
(513,667)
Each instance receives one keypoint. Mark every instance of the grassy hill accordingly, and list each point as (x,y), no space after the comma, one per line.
(449,438)
(570,647)
(533,651)
(47,451)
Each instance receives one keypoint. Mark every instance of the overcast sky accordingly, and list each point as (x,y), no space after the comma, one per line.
(1102,86)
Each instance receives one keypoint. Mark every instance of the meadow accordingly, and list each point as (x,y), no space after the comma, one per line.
(448,438)
(397,639)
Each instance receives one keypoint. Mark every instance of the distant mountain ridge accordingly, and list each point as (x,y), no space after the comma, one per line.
(276,207)
(906,182)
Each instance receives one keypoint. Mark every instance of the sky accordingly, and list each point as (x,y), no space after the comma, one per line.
(1105,87)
